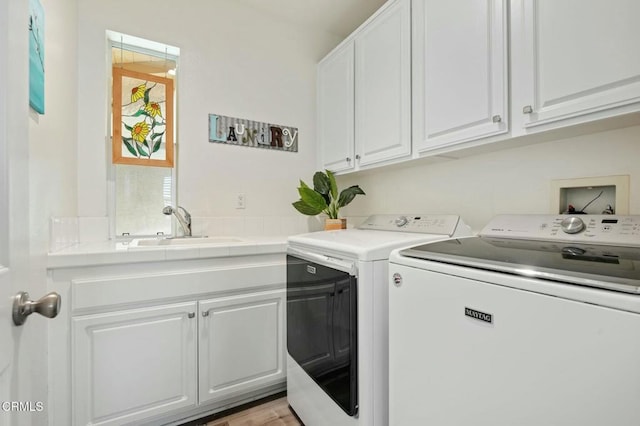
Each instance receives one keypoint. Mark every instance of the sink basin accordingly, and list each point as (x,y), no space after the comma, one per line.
(184,241)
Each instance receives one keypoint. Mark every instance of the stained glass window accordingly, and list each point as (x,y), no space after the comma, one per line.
(142,119)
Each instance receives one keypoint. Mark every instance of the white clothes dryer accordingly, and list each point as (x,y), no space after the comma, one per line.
(337,306)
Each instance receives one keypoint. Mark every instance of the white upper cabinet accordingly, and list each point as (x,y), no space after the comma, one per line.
(574,60)
(383,86)
(460,78)
(364,93)
(335,109)
(426,77)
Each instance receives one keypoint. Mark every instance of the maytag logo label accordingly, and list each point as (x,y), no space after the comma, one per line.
(482,316)
(311,269)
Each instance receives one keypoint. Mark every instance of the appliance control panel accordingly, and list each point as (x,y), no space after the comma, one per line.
(422,224)
(587,229)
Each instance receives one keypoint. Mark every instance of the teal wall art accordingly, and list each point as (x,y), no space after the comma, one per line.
(36,56)
(243,132)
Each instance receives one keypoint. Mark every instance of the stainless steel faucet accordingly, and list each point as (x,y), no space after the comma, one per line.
(184,221)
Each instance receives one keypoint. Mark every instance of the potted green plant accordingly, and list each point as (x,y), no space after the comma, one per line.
(324,198)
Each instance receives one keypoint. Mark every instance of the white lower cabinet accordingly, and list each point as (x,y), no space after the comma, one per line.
(166,342)
(134,364)
(241,346)
(137,364)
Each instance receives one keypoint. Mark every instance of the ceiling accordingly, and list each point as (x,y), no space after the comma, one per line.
(338,17)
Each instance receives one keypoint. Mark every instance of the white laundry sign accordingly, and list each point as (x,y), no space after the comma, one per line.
(243,132)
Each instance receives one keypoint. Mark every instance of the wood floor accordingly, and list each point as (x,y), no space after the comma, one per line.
(272,413)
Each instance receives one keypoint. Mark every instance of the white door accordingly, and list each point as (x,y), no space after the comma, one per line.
(241,344)
(383,86)
(459,71)
(15,378)
(6,289)
(335,109)
(573,58)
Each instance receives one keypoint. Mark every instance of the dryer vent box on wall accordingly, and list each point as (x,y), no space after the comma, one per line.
(597,195)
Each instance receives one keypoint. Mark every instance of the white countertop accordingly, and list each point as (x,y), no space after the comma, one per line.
(115,252)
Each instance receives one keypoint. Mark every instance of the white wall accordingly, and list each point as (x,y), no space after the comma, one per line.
(233,61)
(52,136)
(514,180)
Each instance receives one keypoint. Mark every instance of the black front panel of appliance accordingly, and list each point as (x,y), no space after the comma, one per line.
(322,328)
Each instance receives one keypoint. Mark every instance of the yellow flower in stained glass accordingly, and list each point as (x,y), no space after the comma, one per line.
(140,131)
(153,109)
(138,92)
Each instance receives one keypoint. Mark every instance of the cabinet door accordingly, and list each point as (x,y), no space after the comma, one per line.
(132,365)
(459,71)
(241,344)
(335,109)
(383,86)
(575,58)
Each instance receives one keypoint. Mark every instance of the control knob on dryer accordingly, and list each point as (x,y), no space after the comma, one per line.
(572,225)
(401,221)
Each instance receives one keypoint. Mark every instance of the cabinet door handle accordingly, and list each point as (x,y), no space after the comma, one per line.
(191,314)
(205,314)
(496,119)
(527,109)
(348,159)
(357,156)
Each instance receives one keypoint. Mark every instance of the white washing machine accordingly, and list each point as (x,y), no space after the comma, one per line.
(534,322)
(337,305)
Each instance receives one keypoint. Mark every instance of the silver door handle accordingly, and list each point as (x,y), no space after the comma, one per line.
(47,306)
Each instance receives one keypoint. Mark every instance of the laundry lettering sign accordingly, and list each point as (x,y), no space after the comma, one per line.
(243,132)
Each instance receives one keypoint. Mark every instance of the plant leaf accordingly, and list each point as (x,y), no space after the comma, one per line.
(139,113)
(156,146)
(312,198)
(155,136)
(321,183)
(130,148)
(347,195)
(332,184)
(146,95)
(304,208)
(129,128)
(303,185)
(141,150)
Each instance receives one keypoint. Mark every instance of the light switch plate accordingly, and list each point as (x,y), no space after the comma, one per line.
(241,201)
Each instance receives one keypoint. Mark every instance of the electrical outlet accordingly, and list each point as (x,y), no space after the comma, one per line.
(240,201)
